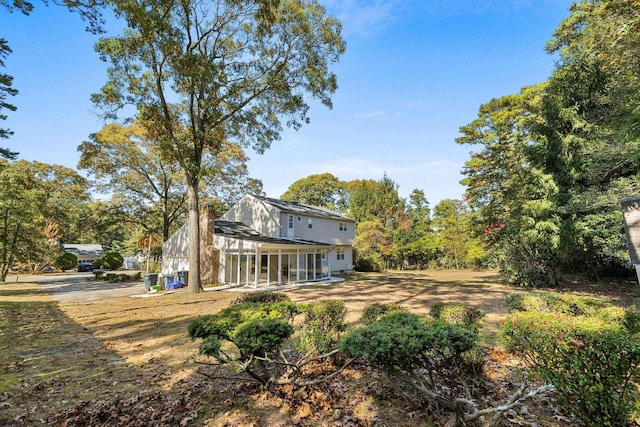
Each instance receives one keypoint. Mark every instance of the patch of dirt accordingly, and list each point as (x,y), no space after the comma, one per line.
(128,361)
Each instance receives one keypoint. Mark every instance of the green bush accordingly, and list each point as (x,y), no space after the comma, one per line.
(457,313)
(261,296)
(323,324)
(377,310)
(406,341)
(98,274)
(593,361)
(251,327)
(66,261)
(260,337)
(550,302)
(112,260)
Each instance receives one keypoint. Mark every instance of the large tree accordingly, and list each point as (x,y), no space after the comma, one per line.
(557,158)
(202,73)
(37,204)
(148,185)
(322,189)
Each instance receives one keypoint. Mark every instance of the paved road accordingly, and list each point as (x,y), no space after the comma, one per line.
(75,287)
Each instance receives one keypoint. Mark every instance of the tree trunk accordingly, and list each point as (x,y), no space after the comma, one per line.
(194,239)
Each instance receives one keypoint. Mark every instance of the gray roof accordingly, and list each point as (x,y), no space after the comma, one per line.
(83,249)
(239,230)
(302,209)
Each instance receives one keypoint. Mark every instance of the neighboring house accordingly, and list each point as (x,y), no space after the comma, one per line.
(264,241)
(85,253)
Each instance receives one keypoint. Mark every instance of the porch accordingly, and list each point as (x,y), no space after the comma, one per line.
(262,267)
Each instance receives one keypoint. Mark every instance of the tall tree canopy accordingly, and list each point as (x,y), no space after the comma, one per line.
(37,204)
(148,185)
(202,73)
(556,159)
(319,190)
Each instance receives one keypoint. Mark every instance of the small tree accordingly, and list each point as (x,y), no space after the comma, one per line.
(66,261)
(253,332)
(205,73)
(112,260)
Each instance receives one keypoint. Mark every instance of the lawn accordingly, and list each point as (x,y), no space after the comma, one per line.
(128,361)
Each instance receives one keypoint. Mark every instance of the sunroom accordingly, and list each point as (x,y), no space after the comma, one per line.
(248,258)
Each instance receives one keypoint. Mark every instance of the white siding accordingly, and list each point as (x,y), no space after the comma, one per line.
(338,266)
(175,252)
(260,216)
(325,230)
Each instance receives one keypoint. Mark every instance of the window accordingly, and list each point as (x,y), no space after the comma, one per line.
(310,223)
(340,254)
(290,221)
(343,226)
(299,219)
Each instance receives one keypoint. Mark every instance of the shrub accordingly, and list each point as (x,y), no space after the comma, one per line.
(66,261)
(98,274)
(255,329)
(406,341)
(550,302)
(593,361)
(323,324)
(230,324)
(261,296)
(112,260)
(377,310)
(457,313)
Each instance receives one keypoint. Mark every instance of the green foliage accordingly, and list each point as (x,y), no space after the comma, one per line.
(66,261)
(318,190)
(370,242)
(260,337)
(374,312)
(114,278)
(588,349)
(405,341)
(236,71)
(37,200)
(261,297)
(324,322)
(550,302)
(6,90)
(112,260)
(287,308)
(255,328)
(456,313)
(555,159)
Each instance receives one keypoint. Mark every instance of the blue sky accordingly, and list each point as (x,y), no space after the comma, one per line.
(413,73)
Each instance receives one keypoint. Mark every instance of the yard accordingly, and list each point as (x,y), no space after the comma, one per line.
(128,361)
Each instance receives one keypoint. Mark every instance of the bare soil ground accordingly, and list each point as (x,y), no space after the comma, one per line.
(128,361)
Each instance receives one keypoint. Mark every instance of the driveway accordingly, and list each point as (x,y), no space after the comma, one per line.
(78,287)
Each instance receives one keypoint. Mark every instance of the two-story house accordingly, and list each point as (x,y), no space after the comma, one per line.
(262,241)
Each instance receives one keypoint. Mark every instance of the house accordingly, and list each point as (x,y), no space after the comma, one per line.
(85,253)
(631,217)
(263,241)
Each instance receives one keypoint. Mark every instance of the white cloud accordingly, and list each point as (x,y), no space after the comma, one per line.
(365,17)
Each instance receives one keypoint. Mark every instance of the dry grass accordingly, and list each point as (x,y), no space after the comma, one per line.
(115,361)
